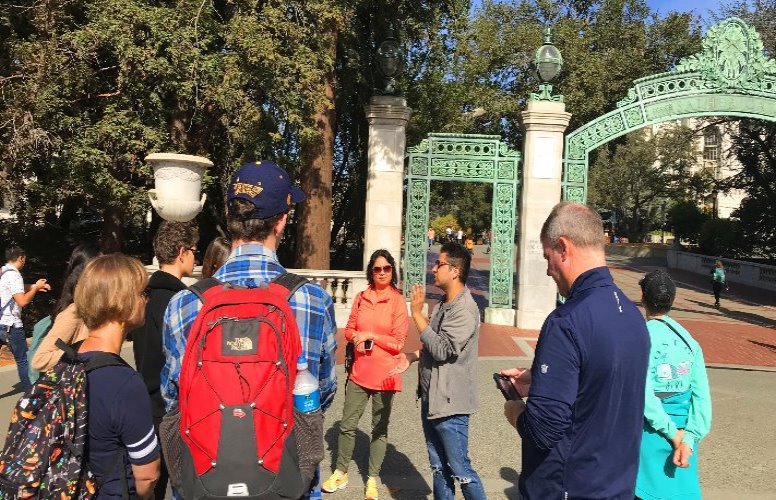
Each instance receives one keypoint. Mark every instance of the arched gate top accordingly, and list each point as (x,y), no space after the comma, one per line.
(731,76)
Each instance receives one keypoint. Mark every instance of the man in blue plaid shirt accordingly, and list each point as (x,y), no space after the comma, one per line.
(259,198)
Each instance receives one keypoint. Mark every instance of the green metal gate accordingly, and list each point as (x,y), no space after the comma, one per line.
(464,158)
(730,77)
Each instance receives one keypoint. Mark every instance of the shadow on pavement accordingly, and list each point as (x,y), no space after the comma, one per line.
(479,282)
(764,344)
(15,390)
(401,472)
(511,475)
(746,317)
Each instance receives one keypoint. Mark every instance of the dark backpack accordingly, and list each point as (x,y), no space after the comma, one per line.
(350,348)
(44,453)
(237,421)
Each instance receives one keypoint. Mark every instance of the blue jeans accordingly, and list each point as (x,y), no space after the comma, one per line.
(17,342)
(447,440)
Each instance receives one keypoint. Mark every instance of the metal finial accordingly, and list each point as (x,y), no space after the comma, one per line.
(548,35)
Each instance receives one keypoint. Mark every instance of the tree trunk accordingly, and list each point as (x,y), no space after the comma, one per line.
(179,127)
(112,237)
(313,217)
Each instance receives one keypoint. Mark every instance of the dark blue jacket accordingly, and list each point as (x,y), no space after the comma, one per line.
(582,426)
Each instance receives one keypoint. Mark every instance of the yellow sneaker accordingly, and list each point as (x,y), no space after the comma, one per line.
(371,489)
(336,481)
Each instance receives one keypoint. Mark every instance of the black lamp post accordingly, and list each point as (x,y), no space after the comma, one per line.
(548,63)
(663,223)
(714,203)
(389,62)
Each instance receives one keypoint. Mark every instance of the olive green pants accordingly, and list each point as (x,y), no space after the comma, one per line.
(356,398)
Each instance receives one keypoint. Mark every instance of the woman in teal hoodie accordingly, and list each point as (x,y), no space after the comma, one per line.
(717,281)
(677,410)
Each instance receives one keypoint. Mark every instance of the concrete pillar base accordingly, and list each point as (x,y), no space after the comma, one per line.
(527,319)
(500,316)
(425,310)
(544,123)
(387,117)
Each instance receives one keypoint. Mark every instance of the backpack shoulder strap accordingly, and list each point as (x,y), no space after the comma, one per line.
(2,309)
(677,333)
(200,287)
(3,270)
(95,362)
(103,359)
(291,282)
(69,350)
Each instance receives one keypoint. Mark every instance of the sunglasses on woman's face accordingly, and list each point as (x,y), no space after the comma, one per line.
(384,269)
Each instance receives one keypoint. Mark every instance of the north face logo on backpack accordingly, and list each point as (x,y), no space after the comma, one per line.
(237,419)
(241,344)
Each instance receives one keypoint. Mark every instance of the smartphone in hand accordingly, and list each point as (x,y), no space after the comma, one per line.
(369,344)
(504,384)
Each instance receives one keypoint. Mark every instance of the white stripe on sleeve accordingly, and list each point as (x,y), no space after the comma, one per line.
(142,441)
(138,455)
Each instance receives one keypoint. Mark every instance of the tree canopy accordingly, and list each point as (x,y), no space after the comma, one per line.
(89,87)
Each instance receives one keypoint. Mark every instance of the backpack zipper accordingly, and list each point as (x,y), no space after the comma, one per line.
(213,324)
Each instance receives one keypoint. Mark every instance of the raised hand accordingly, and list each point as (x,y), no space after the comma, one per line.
(42,286)
(418,298)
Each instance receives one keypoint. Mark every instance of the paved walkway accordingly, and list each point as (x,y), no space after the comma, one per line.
(742,333)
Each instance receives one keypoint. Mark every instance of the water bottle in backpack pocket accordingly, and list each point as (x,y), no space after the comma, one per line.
(307,394)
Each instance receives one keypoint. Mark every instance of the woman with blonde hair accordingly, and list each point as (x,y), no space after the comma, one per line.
(110,298)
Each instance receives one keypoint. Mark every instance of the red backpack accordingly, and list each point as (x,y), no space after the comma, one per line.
(236,403)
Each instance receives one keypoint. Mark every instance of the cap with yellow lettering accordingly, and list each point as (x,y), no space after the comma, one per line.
(265,184)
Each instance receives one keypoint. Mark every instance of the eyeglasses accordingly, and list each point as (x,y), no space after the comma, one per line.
(384,269)
(439,264)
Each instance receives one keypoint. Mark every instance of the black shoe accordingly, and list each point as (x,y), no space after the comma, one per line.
(716,305)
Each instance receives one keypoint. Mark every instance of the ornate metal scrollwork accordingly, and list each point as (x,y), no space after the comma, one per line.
(731,76)
(463,157)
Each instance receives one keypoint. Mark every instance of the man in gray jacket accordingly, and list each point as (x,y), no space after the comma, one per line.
(447,374)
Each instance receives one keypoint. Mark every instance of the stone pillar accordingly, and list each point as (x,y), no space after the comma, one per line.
(544,122)
(388,117)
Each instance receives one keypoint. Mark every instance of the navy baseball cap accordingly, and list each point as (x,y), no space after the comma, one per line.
(659,290)
(265,184)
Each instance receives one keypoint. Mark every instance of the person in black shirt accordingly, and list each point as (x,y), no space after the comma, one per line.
(175,246)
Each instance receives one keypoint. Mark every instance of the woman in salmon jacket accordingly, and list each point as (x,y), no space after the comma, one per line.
(377,328)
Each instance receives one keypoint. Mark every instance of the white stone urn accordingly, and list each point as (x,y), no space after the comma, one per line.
(177,185)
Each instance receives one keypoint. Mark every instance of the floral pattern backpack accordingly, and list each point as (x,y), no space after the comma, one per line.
(44,452)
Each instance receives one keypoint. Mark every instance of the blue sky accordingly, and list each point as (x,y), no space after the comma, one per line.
(700,7)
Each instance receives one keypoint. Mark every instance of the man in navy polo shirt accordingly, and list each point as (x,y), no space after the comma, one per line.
(581,425)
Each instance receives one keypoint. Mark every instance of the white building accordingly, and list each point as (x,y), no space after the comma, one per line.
(714,155)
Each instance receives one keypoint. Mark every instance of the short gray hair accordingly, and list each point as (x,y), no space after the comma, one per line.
(579,223)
